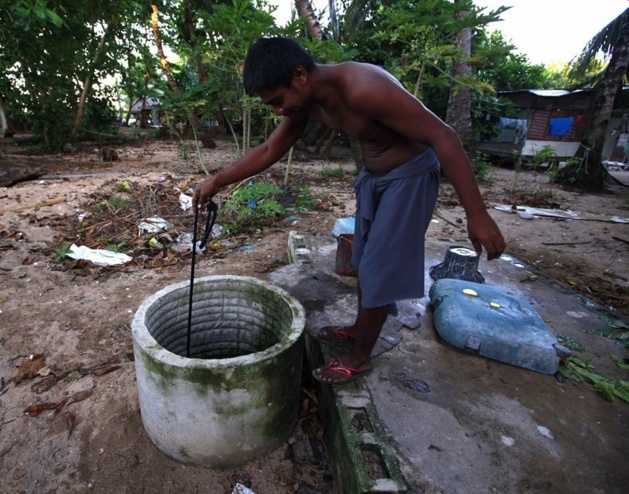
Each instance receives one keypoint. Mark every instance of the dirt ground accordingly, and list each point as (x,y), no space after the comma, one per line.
(69,412)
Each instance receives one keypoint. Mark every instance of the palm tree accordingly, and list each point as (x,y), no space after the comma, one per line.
(459,114)
(345,21)
(313,27)
(613,40)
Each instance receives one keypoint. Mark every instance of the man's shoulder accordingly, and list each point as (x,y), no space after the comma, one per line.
(364,80)
(352,67)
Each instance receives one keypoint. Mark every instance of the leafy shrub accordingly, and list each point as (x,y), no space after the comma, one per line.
(62,251)
(482,167)
(333,172)
(261,204)
(252,206)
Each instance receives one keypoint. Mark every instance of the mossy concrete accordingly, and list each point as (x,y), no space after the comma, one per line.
(219,412)
(458,422)
(345,441)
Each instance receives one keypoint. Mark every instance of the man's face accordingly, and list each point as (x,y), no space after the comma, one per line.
(288,101)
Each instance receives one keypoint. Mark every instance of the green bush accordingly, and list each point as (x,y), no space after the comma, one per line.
(260,204)
(252,206)
(482,167)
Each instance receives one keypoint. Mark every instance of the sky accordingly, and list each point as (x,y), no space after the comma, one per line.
(546,31)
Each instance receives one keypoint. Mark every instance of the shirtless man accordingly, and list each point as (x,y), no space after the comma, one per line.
(403,145)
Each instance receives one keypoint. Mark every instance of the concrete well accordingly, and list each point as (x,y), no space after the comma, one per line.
(236,397)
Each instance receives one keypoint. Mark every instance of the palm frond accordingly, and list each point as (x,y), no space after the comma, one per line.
(603,42)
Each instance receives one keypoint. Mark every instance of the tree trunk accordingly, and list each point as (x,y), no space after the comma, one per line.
(588,175)
(10,129)
(459,114)
(202,68)
(192,118)
(313,27)
(190,37)
(87,85)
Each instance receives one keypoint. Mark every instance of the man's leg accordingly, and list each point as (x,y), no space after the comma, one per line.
(366,330)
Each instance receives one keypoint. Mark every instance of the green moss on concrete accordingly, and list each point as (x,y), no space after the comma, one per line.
(165,374)
(268,381)
(348,456)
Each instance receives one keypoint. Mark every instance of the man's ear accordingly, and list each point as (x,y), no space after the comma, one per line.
(300,75)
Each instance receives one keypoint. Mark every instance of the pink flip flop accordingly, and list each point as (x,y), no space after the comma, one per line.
(336,366)
(335,334)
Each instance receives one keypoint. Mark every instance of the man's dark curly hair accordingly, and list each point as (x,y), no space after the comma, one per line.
(271,63)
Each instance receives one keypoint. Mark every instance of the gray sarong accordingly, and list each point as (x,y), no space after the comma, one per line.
(393,213)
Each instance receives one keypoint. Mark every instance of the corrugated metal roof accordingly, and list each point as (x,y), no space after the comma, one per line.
(551,93)
(548,93)
(148,103)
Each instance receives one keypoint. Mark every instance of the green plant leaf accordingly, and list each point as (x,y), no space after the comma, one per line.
(606,388)
(620,362)
(622,391)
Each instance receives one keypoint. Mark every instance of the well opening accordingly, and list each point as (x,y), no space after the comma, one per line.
(236,396)
(229,319)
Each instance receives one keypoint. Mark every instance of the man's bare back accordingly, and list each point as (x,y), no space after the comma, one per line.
(343,100)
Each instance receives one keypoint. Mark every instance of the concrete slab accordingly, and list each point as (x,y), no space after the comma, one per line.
(455,422)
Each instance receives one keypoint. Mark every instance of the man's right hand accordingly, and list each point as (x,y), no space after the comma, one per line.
(203,193)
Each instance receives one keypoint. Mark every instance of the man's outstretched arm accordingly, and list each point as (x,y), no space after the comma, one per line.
(255,161)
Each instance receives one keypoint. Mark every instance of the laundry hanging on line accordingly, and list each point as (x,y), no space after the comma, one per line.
(511,130)
(512,123)
(560,126)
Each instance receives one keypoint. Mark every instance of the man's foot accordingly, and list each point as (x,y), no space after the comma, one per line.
(336,334)
(335,372)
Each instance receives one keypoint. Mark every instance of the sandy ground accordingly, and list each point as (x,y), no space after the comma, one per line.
(65,324)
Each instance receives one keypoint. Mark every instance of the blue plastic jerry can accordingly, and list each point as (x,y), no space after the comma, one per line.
(497,324)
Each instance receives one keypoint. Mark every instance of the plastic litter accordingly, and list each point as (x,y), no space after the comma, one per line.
(410,313)
(217,230)
(184,243)
(343,226)
(252,203)
(615,165)
(248,247)
(185,201)
(98,257)
(153,224)
(242,489)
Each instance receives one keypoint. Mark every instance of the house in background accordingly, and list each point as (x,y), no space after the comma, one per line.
(146,111)
(555,118)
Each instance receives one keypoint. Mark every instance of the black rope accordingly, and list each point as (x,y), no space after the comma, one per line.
(212,211)
(194,250)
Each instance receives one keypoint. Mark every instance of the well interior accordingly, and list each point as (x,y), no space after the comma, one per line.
(230,318)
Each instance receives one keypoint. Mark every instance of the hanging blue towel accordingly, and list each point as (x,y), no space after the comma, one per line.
(560,126)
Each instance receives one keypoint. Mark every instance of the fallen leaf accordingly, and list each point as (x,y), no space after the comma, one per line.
(106,370)
(35,410)
(30,259)
(44,371)
(29,368)
(69,420)
(44,384)
(81,395)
